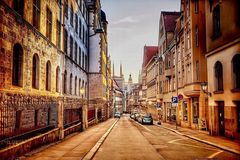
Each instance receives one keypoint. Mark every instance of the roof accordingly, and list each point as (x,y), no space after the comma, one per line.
(169,19)
(149,52)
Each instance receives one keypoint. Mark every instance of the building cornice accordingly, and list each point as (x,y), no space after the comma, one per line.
(214,51)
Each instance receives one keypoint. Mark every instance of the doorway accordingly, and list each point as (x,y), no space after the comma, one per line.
(221,124)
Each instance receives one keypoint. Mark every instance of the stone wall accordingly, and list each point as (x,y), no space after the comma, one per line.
(27,104)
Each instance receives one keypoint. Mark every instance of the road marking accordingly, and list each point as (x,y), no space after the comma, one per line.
(172,141)
(215,154)
(189,145)
(144,126)
(90,154)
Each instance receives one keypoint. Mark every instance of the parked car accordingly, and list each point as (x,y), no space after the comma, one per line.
(132,116)
(137,115)
(147,119)
(117,115)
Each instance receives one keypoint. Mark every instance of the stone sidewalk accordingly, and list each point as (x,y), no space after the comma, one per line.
(203,136)
(72,147)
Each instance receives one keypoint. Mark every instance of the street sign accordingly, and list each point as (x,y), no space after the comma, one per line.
(180,97)
(174,101)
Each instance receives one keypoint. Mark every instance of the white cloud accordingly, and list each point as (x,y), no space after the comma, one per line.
(127,19)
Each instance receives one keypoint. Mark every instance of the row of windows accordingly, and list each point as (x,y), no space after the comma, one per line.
(79,26)
(75,52)
(18,5)
(17,73)
(218,67)
(74,89)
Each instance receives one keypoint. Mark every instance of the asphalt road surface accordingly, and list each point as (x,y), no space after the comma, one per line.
(131,140)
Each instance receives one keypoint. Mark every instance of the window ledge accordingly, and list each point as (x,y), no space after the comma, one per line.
(218,92)
(235,90)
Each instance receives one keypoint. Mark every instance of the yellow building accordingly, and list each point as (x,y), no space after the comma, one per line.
(223,59)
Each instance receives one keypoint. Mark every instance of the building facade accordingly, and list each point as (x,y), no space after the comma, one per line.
(99,68)
(31,60)
(223,59)
(45,70)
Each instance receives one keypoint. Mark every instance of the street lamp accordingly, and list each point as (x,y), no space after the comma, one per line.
(204,87)
(82,91)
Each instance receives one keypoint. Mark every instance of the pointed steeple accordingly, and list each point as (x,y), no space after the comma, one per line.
(113,73)
(121,74)
(130,79)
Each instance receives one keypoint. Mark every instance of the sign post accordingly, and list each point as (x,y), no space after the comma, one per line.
(175,103)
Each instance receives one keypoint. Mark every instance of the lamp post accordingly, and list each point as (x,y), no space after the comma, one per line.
(82,91)
(204,87)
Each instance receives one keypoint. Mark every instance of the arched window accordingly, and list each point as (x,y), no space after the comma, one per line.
(219,76)
(35,71)
(48,76)
(71,78)
(236,71)
(65,82)
(57,79)
(17,65)
(216,22)
(79,87)
(75,85)
(18,6)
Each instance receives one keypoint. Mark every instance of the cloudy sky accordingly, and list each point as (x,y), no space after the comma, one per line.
(132,24)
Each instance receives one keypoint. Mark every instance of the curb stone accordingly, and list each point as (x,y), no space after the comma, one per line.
(203,141)
(90,154)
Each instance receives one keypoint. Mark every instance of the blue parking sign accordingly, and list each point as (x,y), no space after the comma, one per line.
(174,99)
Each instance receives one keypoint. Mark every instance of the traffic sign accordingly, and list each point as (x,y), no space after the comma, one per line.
(174,100)
(180,97)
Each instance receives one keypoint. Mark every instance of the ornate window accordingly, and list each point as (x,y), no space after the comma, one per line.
(236,71)
(17,65)
(36,13)
(18,6)
(219,76)
(48,76)
(35,71)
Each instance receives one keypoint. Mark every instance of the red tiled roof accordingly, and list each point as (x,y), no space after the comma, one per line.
(149,52)
(169,19)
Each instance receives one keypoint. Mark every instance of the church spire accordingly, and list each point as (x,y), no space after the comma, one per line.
(121,74)
(113,73)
